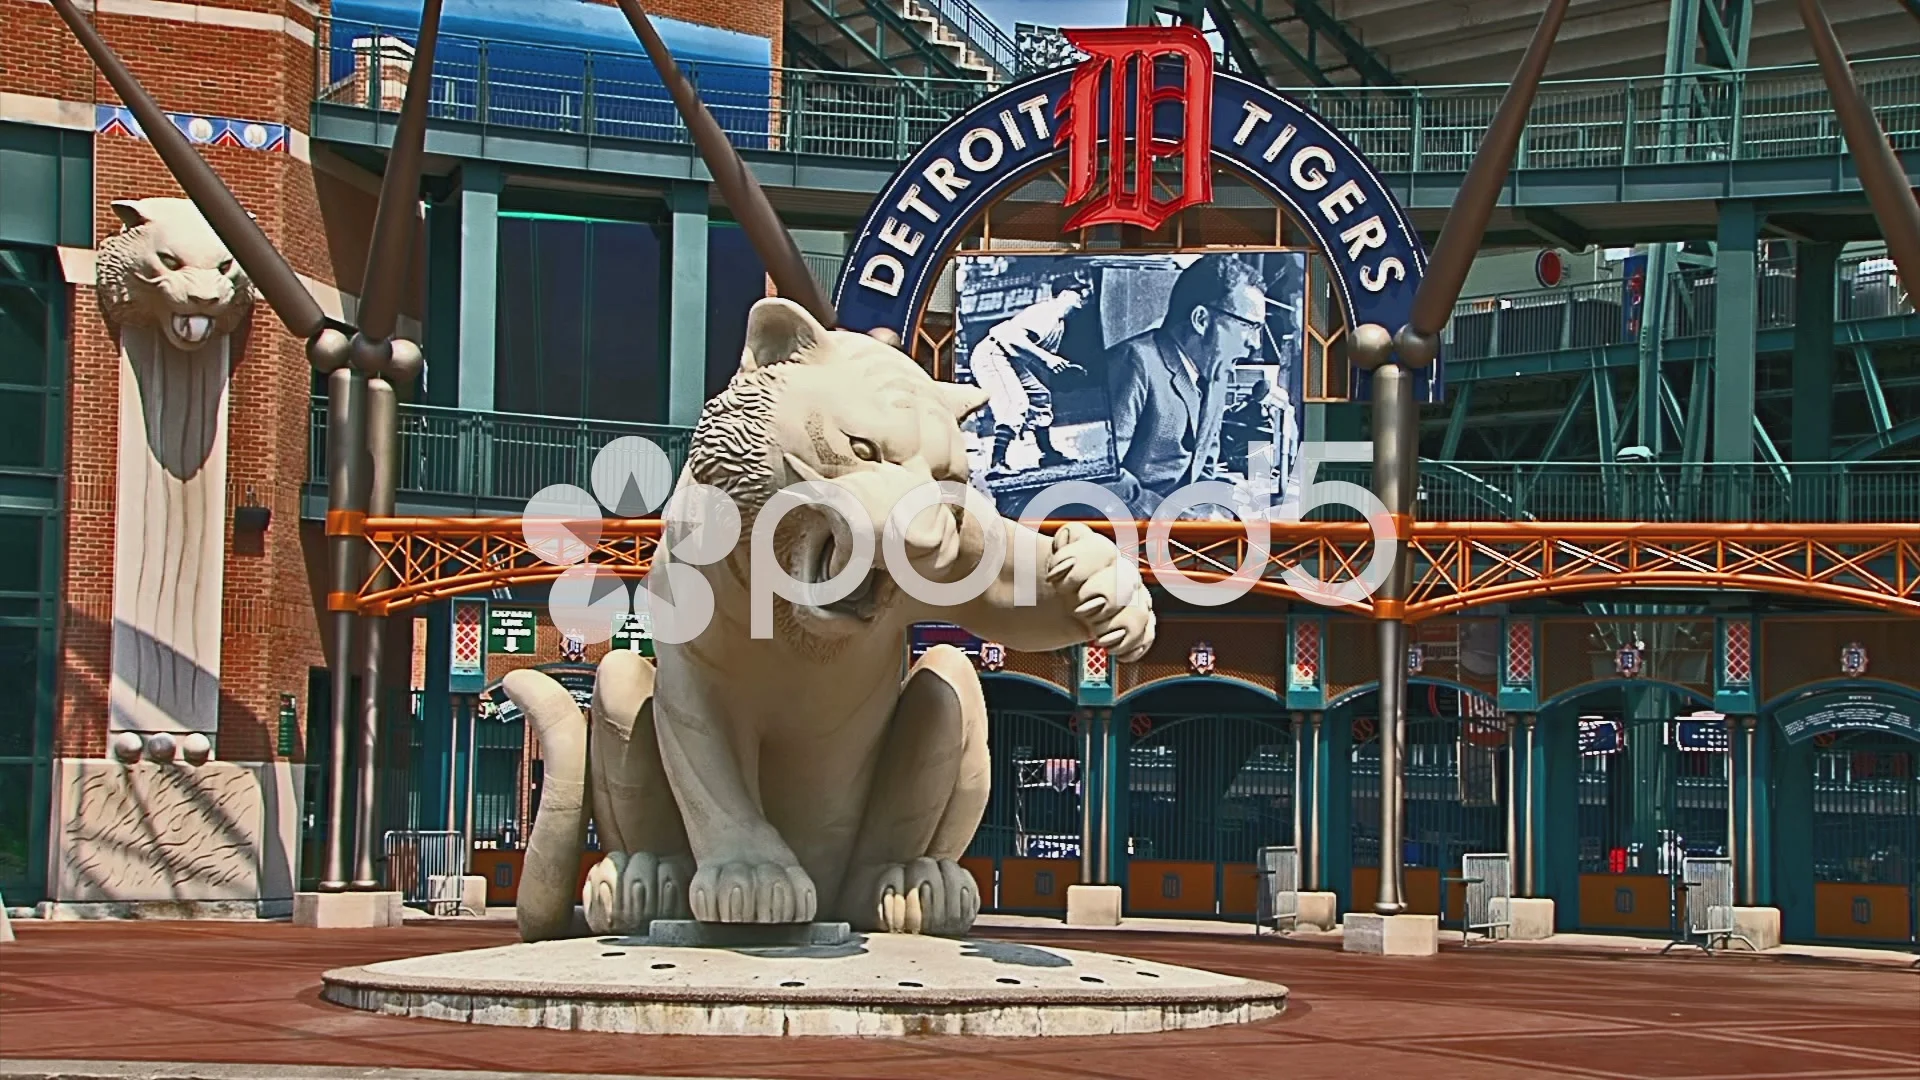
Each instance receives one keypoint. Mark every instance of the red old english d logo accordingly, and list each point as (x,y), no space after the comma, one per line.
(1113,55)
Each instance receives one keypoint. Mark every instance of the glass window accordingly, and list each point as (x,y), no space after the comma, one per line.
(23,336)
(20,538)
(736,280)
(23,416)
(16,817)
(20,674)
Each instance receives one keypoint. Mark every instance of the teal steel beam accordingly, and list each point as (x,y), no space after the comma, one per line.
(1364,60)
(1237,48)
(1874,390)
(1606,421)
(1554,227)
(1239,10)
(479,195)
(1693,437)
(1735,331)
(886,19)
(1885,440)
(1813,363)
(686,303)
(1457,423)
(1567,415)
(1651,343)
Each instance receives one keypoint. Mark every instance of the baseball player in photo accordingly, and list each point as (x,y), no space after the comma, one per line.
(1005,364)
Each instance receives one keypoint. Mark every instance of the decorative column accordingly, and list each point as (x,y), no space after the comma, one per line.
(1094,901)
(174,296)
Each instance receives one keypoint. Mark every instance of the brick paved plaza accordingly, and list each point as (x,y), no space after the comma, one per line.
(249,993)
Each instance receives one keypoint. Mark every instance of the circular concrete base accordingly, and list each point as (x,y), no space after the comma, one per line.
(880,984)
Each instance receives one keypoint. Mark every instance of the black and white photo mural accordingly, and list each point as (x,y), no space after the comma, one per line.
(1139,373)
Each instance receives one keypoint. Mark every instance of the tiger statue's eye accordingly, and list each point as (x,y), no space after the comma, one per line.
(864,449)
(169,261)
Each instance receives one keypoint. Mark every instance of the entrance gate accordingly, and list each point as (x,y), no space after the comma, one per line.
(1027,849)
(1205,792)
(1866,838)
(1456,792)
(1652,793)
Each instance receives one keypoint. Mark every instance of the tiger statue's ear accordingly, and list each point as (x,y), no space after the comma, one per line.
(131,212)
(778,331)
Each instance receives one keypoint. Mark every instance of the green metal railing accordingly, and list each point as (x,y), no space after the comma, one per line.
(1853,492)
(1596,314)
(1758,114)
(493,460)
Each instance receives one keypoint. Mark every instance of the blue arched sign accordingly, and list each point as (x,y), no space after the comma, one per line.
(1279,145)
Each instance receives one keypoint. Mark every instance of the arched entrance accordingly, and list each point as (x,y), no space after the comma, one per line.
(1651,789)
(1847,817)
(1210,781)
(1866,837)
(1027,849)
(1458,771)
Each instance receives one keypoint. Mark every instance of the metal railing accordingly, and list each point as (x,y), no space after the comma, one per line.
(1851,492)
(1597,314)
(1278,870)
(1706,895)
(979,32)
(1489,895)
(481,458)
(456,454)
(1757,114)
(426,867)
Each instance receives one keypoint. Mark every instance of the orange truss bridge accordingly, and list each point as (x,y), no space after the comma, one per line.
(1456,565)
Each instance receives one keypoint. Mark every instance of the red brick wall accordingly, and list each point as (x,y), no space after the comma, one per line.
(271,631)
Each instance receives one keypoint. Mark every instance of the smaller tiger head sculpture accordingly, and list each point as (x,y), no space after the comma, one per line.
(169,270)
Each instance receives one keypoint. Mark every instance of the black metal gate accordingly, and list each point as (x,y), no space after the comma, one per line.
(1027,849)
(1866,838)
(1204,793)
(1652,793)
(1456,796)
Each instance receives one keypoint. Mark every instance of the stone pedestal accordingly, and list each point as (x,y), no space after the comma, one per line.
(1759,925)
(1318,911)
(692,934)
(348,910)
(1391,935)
(1532,918)
(1093,905)
(470,890)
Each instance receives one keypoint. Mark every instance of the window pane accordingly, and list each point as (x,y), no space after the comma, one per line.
(23,418)
(20,674)
(20,553)
(16,816)
(23,337)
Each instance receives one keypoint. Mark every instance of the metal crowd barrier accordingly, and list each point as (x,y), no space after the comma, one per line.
(1279,892)
(1706,897)
(426,869)
(1489,882)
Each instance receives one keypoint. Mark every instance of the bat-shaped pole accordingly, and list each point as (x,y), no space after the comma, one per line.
(1396,359)
(361,365)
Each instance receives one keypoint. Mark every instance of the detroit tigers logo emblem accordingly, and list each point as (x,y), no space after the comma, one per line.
(1120,60)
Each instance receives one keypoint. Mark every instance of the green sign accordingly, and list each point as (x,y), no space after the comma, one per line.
(1850,710)
(289,732)
(633,633)
(510,630)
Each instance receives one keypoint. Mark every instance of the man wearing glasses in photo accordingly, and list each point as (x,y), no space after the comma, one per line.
(1168,387)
